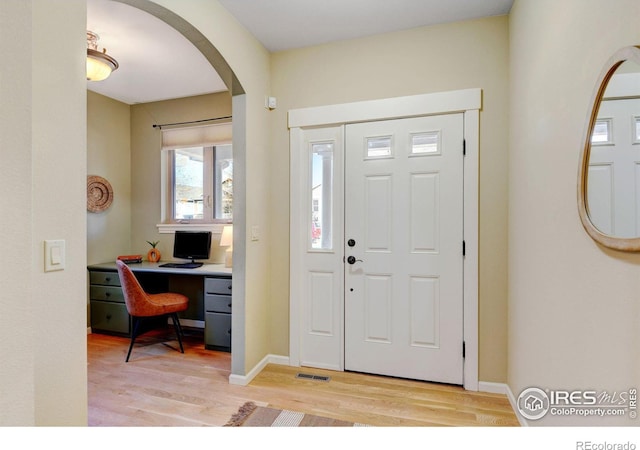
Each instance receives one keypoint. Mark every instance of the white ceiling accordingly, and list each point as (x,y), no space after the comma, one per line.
(158,63)
(286,24)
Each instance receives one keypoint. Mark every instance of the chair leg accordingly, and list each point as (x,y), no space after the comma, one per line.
(134,333)
(176,324)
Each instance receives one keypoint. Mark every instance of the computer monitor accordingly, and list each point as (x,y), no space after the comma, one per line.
(192,245)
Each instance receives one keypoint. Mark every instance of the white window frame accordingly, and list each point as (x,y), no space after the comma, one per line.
(207,186)
(210,183)
(208,137)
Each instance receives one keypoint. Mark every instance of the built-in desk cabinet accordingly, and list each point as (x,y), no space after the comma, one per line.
(107,308)
(108,312)
(217,313)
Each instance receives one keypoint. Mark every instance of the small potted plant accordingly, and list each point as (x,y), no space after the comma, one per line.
(154,254)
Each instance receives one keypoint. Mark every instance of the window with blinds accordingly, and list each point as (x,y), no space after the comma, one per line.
(198,174)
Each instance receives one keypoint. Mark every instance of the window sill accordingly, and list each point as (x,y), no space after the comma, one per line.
(166,228)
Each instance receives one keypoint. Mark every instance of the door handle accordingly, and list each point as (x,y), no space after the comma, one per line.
(352,260)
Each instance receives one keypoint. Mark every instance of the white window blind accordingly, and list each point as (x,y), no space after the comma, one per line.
(196,136)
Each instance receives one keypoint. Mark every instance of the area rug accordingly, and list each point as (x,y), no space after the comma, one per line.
(252,415)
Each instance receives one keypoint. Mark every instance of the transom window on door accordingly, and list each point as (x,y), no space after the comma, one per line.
(197,175)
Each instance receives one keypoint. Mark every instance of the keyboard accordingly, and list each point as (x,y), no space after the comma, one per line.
(181,265)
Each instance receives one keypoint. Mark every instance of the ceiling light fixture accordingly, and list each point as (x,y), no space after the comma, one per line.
(99,64)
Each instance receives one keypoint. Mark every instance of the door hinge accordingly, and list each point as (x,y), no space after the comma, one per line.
(463,349)
(464,248)
(464,147)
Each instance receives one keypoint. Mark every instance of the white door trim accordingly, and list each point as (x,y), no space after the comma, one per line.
(389,108)
(467,101)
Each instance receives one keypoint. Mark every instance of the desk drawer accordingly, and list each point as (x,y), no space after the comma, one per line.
(106,278)
(108,293)
(217,303)
(107,316)
(217,330)
(217,286)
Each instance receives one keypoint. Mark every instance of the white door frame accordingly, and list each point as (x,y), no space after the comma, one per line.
(468,102)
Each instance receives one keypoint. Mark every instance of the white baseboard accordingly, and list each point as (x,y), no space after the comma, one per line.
(243,380)
(514,405)
(503,388)
(493,388)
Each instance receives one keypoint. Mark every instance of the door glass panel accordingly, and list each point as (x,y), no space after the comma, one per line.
(602,132)
(378,147)
(321,196)
(425,143)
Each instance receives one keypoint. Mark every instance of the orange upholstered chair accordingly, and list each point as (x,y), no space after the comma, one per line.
(141,305)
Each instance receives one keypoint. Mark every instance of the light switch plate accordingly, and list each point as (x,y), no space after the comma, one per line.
(54,257)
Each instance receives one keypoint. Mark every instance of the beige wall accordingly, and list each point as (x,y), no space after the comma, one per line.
(573,305)
(146,185)
(472,54)
(17,387)
(43,376)
(109,156)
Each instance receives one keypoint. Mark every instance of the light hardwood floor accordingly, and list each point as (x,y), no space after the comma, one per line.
(161,387)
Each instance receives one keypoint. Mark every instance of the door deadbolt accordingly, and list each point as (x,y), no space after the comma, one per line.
(351,243)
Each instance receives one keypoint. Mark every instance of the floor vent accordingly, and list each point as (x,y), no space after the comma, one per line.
(308,376)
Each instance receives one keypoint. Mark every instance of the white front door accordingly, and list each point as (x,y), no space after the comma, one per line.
(402,310)
(403,249)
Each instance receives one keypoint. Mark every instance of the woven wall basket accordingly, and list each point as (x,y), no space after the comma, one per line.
(99,194)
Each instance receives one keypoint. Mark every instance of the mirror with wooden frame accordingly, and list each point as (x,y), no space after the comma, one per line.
(609,175)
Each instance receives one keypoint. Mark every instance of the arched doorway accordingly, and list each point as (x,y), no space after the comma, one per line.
(226,73)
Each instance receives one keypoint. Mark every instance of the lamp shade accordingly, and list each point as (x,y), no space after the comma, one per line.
(226,240)
(99,64)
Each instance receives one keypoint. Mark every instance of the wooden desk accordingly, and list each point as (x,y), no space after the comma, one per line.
(208,288)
